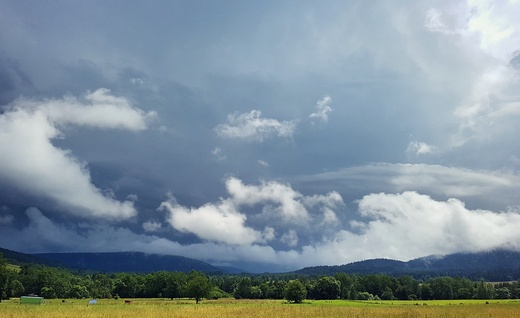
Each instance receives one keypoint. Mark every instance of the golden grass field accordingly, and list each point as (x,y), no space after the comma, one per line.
(227,308)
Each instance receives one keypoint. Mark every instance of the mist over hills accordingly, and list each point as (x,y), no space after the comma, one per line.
(497,265)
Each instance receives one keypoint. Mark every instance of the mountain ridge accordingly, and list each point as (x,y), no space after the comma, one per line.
(495,265)
(112,262)
(137,262)
(500,264)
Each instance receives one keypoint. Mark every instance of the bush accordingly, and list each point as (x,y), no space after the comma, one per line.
(365,296)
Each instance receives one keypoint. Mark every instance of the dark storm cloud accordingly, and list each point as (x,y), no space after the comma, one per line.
(405,111)
(13,82)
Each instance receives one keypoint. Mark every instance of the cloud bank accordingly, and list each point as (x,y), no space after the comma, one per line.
(399,226)
(280,207)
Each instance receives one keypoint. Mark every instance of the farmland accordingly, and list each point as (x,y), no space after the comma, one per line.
(225,308)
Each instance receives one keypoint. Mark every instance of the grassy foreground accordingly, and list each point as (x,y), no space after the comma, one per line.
(226,308)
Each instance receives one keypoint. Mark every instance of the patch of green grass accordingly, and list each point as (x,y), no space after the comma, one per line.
(231,308)
(390,303)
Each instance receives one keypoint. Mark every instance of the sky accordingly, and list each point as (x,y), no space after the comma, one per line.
(264,135)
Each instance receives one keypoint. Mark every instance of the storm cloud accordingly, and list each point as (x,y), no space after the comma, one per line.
(263,135)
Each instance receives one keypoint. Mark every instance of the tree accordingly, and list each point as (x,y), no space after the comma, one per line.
(101,286)
(295,291)
(16,288)
(408,288)
(174,283)
(484,290)
(346,284)
(243,289)
(256,292)
(267,289)
(278,290)
(198,286)
(327,288)
(48,292)
(78,291)
(442,287)
(502,293)
(364,296)
(3,276)
(128,285)
(425,291)
(387,294)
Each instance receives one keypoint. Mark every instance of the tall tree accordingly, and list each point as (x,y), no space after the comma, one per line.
(243,289)
(3,277)
(198,286)
(295,291)
(327,287)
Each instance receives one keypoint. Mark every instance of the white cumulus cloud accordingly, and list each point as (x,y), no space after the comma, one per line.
(33,164)
(323,109)
(420,148)
(399,226)
(289,205)
(252,126)
(215,222)
(263,163)
(225,222)
(427,226)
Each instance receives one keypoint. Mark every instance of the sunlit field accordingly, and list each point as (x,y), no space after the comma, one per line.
(144,308)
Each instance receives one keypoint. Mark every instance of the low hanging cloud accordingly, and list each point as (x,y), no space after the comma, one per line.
(426,226)
(400,226)
(323,109)
(500,188)
(252,126)
(33,164)
(410,225)
(224,222)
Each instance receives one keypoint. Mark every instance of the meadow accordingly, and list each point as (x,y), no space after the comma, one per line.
(227,308)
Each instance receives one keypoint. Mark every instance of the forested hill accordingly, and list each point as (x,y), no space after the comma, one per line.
(498,265)
(18,258)
(135,262)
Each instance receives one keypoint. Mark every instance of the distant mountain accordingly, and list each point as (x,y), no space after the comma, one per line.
(498,265)
(18,258)
(232,270)
(135,262)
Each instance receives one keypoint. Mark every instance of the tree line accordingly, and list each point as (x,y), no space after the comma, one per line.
(51,282)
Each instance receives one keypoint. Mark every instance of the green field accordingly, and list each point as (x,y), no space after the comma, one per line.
(224,308)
